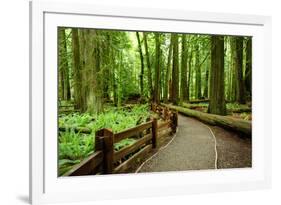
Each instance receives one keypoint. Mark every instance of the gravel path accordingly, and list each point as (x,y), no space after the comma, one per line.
(192,149)
(234,151)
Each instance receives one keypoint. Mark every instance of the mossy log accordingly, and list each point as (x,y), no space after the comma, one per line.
(242,126)
(199,101)
(241,109)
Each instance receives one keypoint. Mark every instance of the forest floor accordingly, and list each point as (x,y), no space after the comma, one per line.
(194,148)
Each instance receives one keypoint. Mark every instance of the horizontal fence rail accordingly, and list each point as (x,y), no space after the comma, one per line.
(149,135)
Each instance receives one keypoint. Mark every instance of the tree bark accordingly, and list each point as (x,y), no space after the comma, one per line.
(198,94)
(248,69)
(168,72)
(92,86)
(189,77)
(206,88)
(233,69)
(79,103)
(175,71)
(184,86)
(239,71)
(157,69)
(142,64)
(149,76)
(64,66)
(217,95)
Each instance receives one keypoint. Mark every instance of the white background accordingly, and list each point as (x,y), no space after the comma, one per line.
(14,100)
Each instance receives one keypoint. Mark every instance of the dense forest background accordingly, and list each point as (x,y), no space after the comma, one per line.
(107,79)
(104,66)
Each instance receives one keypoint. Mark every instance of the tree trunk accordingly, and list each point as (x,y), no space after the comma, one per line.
(189,77)
(79,103)
(233,69)
(206,90)
(175,71)
(62,63)
(64,66)
(168,76)
(119,88)
(149,76)
(248,69)
(93,86)
(239,71)
(198,94)
(184,87)
(142,64)
(157,69)
(217,95)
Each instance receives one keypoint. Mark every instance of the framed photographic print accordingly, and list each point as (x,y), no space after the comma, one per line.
(130,102)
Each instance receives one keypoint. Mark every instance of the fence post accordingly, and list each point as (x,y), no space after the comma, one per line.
(99,140)
(99,144)
(108,150)
(175,121)
(165,113)
(154,132)
(104,142)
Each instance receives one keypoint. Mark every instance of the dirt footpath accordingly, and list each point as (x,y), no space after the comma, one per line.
(193,148)
(233,150)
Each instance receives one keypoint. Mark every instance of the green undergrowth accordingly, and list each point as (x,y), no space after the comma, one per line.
(236,106)
(74,147)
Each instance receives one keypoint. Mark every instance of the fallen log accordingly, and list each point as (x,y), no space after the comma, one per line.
(238,125)
(199,101)
(241,109)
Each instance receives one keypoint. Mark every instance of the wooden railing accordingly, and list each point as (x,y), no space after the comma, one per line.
(149,135)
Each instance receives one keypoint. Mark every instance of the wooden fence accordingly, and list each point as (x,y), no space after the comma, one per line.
(149,135)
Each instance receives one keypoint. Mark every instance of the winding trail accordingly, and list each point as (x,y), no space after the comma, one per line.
(197,146)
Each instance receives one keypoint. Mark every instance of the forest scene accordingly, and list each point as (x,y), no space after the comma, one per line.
(136,101)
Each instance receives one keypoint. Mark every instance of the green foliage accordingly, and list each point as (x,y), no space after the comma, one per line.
(121,119)
(74,147)
(123,143)
(76,120)
(233,106)
(246,116)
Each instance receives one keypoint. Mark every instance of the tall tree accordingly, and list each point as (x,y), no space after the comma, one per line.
(149,76)
(198,94)
(62,62)
(240,97)
(206,88)
(175,70)
(184,86)
(168,72)
(142,63)
(233,72)
(248,69)
(217,95)
(64,66)
(78,97)
(92,84)
(157,69)
(189,74)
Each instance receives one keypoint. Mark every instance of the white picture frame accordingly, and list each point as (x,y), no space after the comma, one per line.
(46,187)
